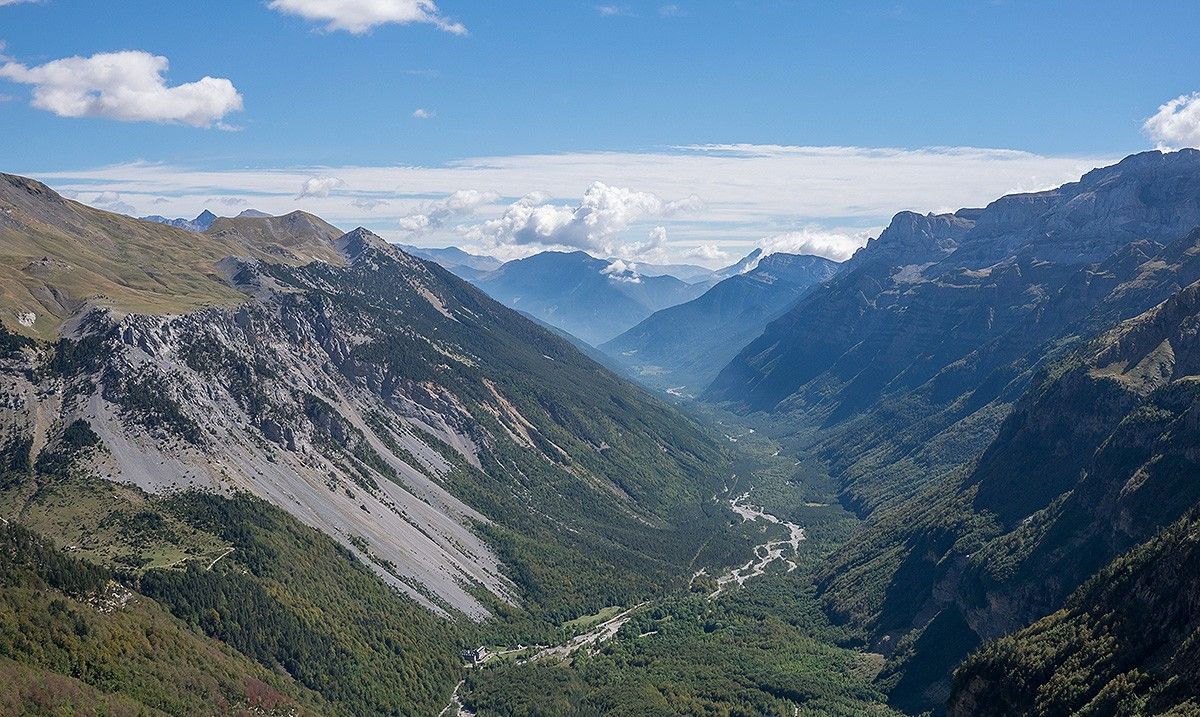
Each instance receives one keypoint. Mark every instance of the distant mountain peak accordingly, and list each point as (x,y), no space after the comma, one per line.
(201,223)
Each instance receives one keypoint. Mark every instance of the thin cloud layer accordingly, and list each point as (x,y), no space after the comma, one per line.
(1177,123)
(748,192)
(128,86)
(361,16)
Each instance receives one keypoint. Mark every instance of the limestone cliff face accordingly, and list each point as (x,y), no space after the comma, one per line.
(902,371)
(1125,643)
(1097,459)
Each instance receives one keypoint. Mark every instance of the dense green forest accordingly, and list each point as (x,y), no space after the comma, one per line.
(763,649)
(298,623)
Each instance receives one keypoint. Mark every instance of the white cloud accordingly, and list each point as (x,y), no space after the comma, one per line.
(360,16)
(613,10)
(422,113)
(434,215)
(1177,123)
(707,253)
(670,11)
(654,249)
(127,86)
(622,271)
(16,2)
(836,245)
(602,213)
(319,187)
(749,191)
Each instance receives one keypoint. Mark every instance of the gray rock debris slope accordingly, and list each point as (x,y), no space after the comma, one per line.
(265,398)
(374,395)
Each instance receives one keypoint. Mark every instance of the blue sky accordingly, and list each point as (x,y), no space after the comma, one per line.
(553,97)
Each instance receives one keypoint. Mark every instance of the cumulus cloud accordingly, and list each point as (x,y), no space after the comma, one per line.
(622,271)
(653,249)
(319,187)
(361,16)
(434,215)
(1177,123)
(602,214)
(816,241)
(422,113)
(128,86)
(707,253)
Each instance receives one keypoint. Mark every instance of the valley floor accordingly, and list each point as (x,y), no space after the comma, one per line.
(747,638)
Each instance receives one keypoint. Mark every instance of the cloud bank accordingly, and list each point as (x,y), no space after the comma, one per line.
(728,197)
(593,224)
(128,86)
(834,245)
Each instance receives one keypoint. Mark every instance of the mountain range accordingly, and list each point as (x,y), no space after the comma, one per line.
(202,222)
(590,298)
(684,346)
(471,459)
(962,465)
(465,265)
(945,376)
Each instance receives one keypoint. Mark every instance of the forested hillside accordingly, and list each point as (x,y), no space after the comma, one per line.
(937,375)
(460,459)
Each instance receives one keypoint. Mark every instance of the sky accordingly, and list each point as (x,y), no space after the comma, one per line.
(690,130)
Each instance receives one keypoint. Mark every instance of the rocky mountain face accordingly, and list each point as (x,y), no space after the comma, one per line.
(902,371)
(683,347)
(1096,459)
(590,298)
(468,456)
(1125,643)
